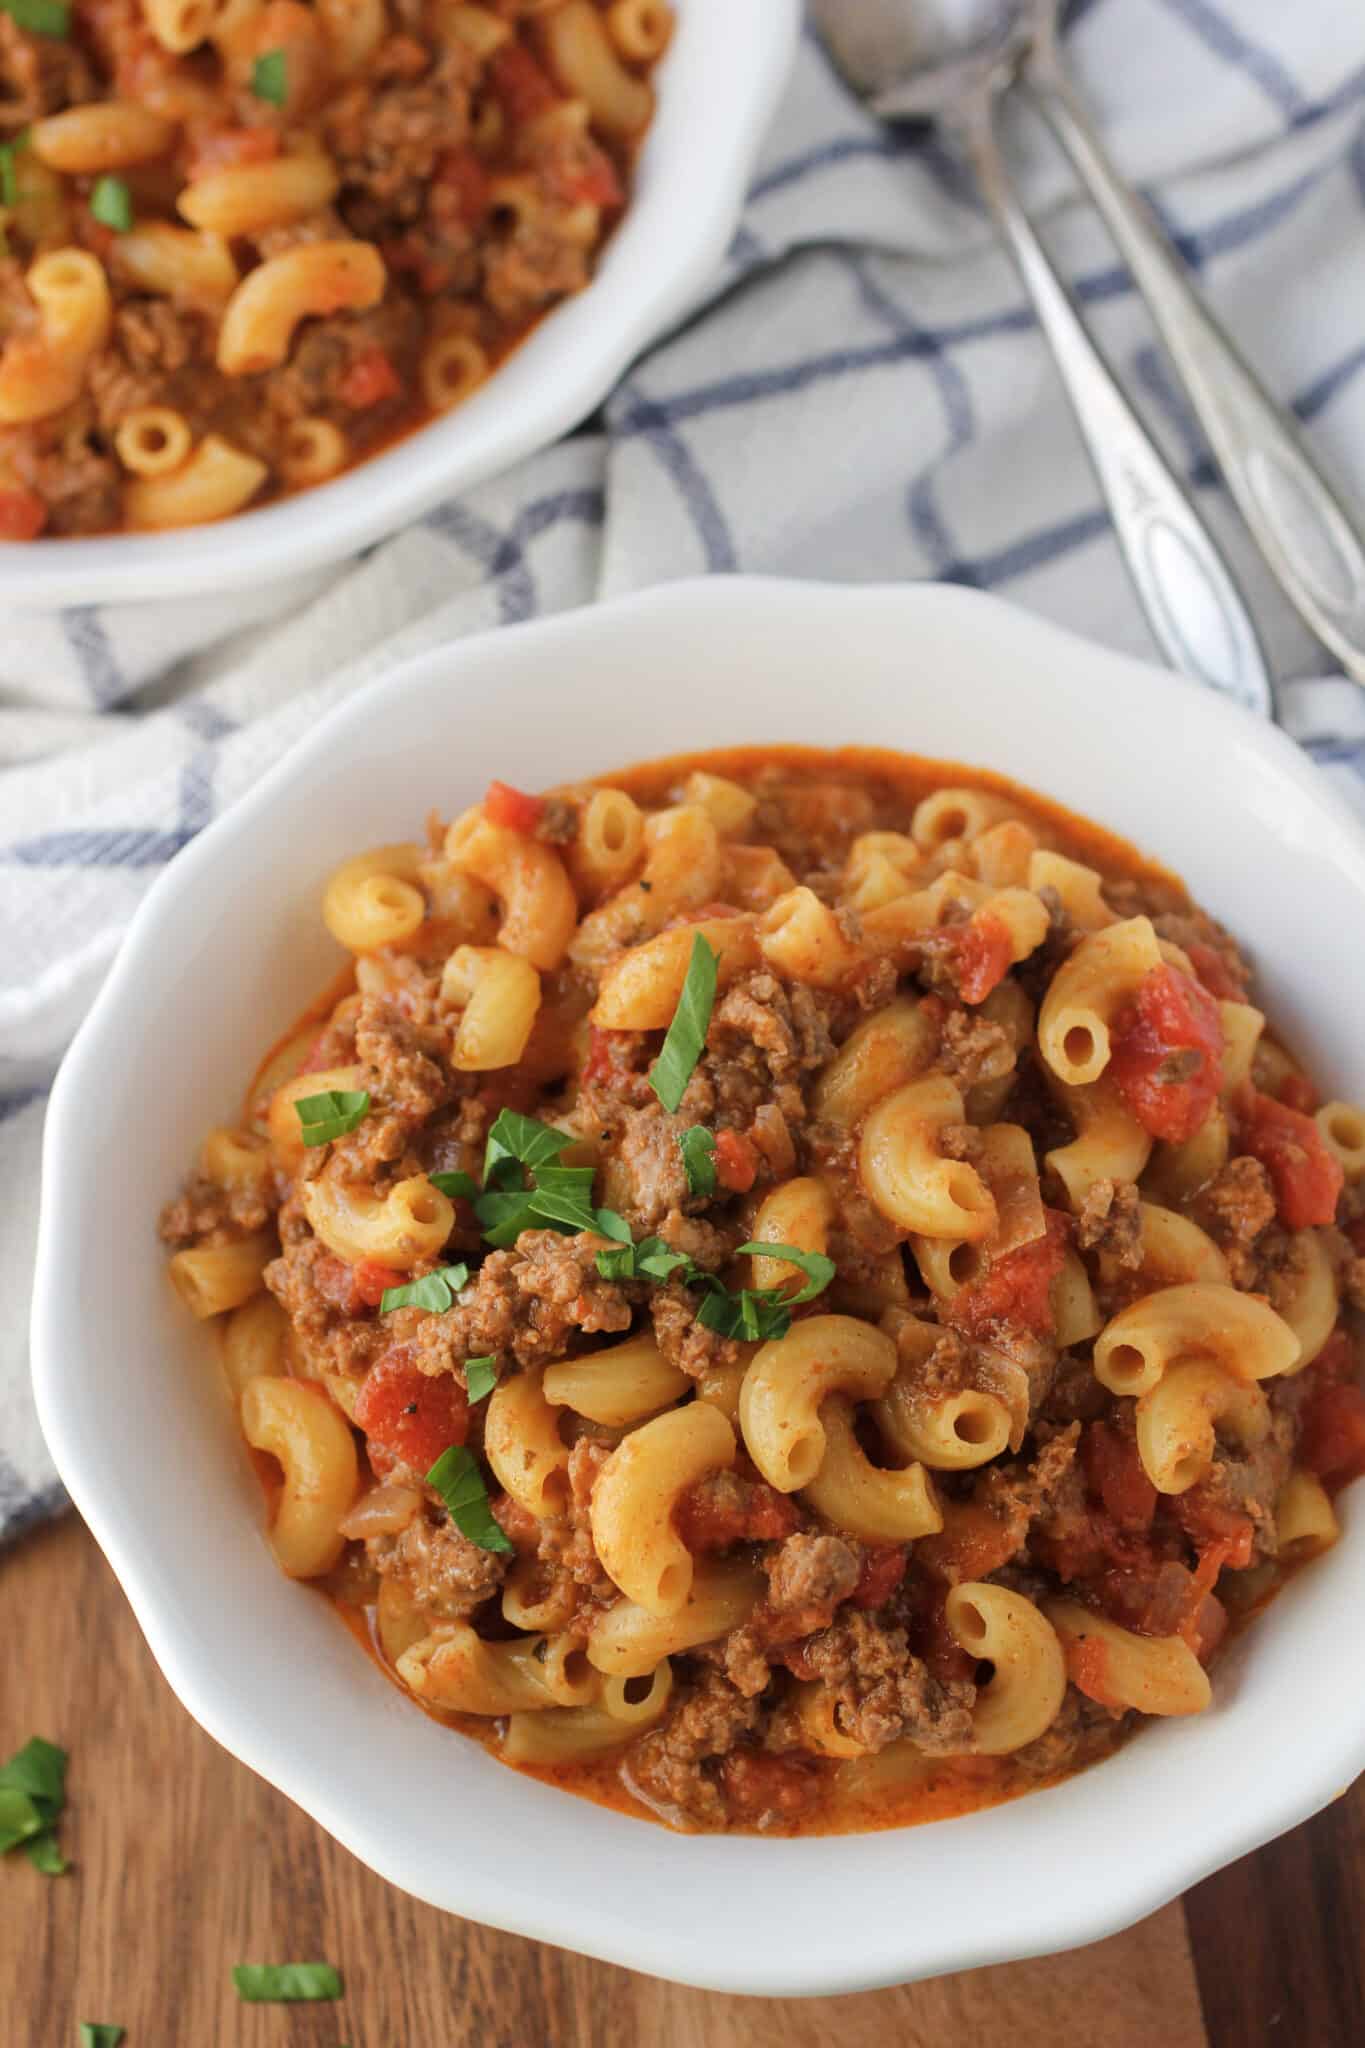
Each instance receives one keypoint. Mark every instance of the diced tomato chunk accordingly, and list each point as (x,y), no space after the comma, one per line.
(927,1627)
(414,1416)
(1016,1289)
(1166,1054)
(517,1523)
(335,1282)
(1298,1092)
(736,1162)
(1164,1599)
(371,1281)
(521,88)
(883,1569)
(224,148)
(603,1063)
(370,378)
(512,808)
(723,1509)
(462,170)
(1306,1178)
(1114,1470)
(757,1783)
(596,183)
(1205,1620)
(1212,1525)
(1217,977)
(1087,1666)
(353,1289)
(982,950)
(1332,1443)
(972,1543)
(22,514)
(1338,1358)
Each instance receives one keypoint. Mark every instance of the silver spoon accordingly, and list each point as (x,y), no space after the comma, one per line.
(1194,608)
(1296,518)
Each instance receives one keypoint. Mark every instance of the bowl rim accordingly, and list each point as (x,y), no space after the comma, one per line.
(1029,1923)
(660,256)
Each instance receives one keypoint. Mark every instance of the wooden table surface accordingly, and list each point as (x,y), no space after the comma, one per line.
(185,1863)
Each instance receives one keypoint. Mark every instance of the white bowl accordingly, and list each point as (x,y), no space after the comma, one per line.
(221,957)
(718,86)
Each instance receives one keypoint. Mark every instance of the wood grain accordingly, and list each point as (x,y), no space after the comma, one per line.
(186,1863)
(1278,1937)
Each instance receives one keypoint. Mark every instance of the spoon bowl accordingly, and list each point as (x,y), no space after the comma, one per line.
(923,62)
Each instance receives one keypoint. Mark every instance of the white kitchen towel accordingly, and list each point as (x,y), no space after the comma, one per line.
(864,397)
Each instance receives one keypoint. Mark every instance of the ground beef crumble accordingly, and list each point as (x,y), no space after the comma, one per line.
(1110,1221)
(1237,1208)
(684,1341)
(441,1569)
(673,1768)
(883,1693)
(205,1213)
(529,1305)
(972,1049)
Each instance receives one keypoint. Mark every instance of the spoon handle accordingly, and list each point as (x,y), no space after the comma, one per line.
(1195,610)
(1298,521)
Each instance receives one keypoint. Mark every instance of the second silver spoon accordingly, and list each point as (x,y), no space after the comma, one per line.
(1196,612)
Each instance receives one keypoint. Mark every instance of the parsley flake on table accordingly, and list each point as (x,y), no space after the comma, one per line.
(32,1795)
(101,2034)
(285,1983)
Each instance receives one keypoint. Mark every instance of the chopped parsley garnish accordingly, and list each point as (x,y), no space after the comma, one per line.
(270,78)
(818,1269)
(607,1223)
(436,1291)
(285,1983)
(560,1196)
(42,17)
(524,1186)
(100,2034)
(331,1114)
(517,1140)
(698,1148)
(458,1480)
(755,1313)
(9,169)
(111,203)
(682,1048)
(32,1795)
(480,1377)
(650,1259)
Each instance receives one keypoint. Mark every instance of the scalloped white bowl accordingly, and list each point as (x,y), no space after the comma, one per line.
(223,954)
(718,87)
